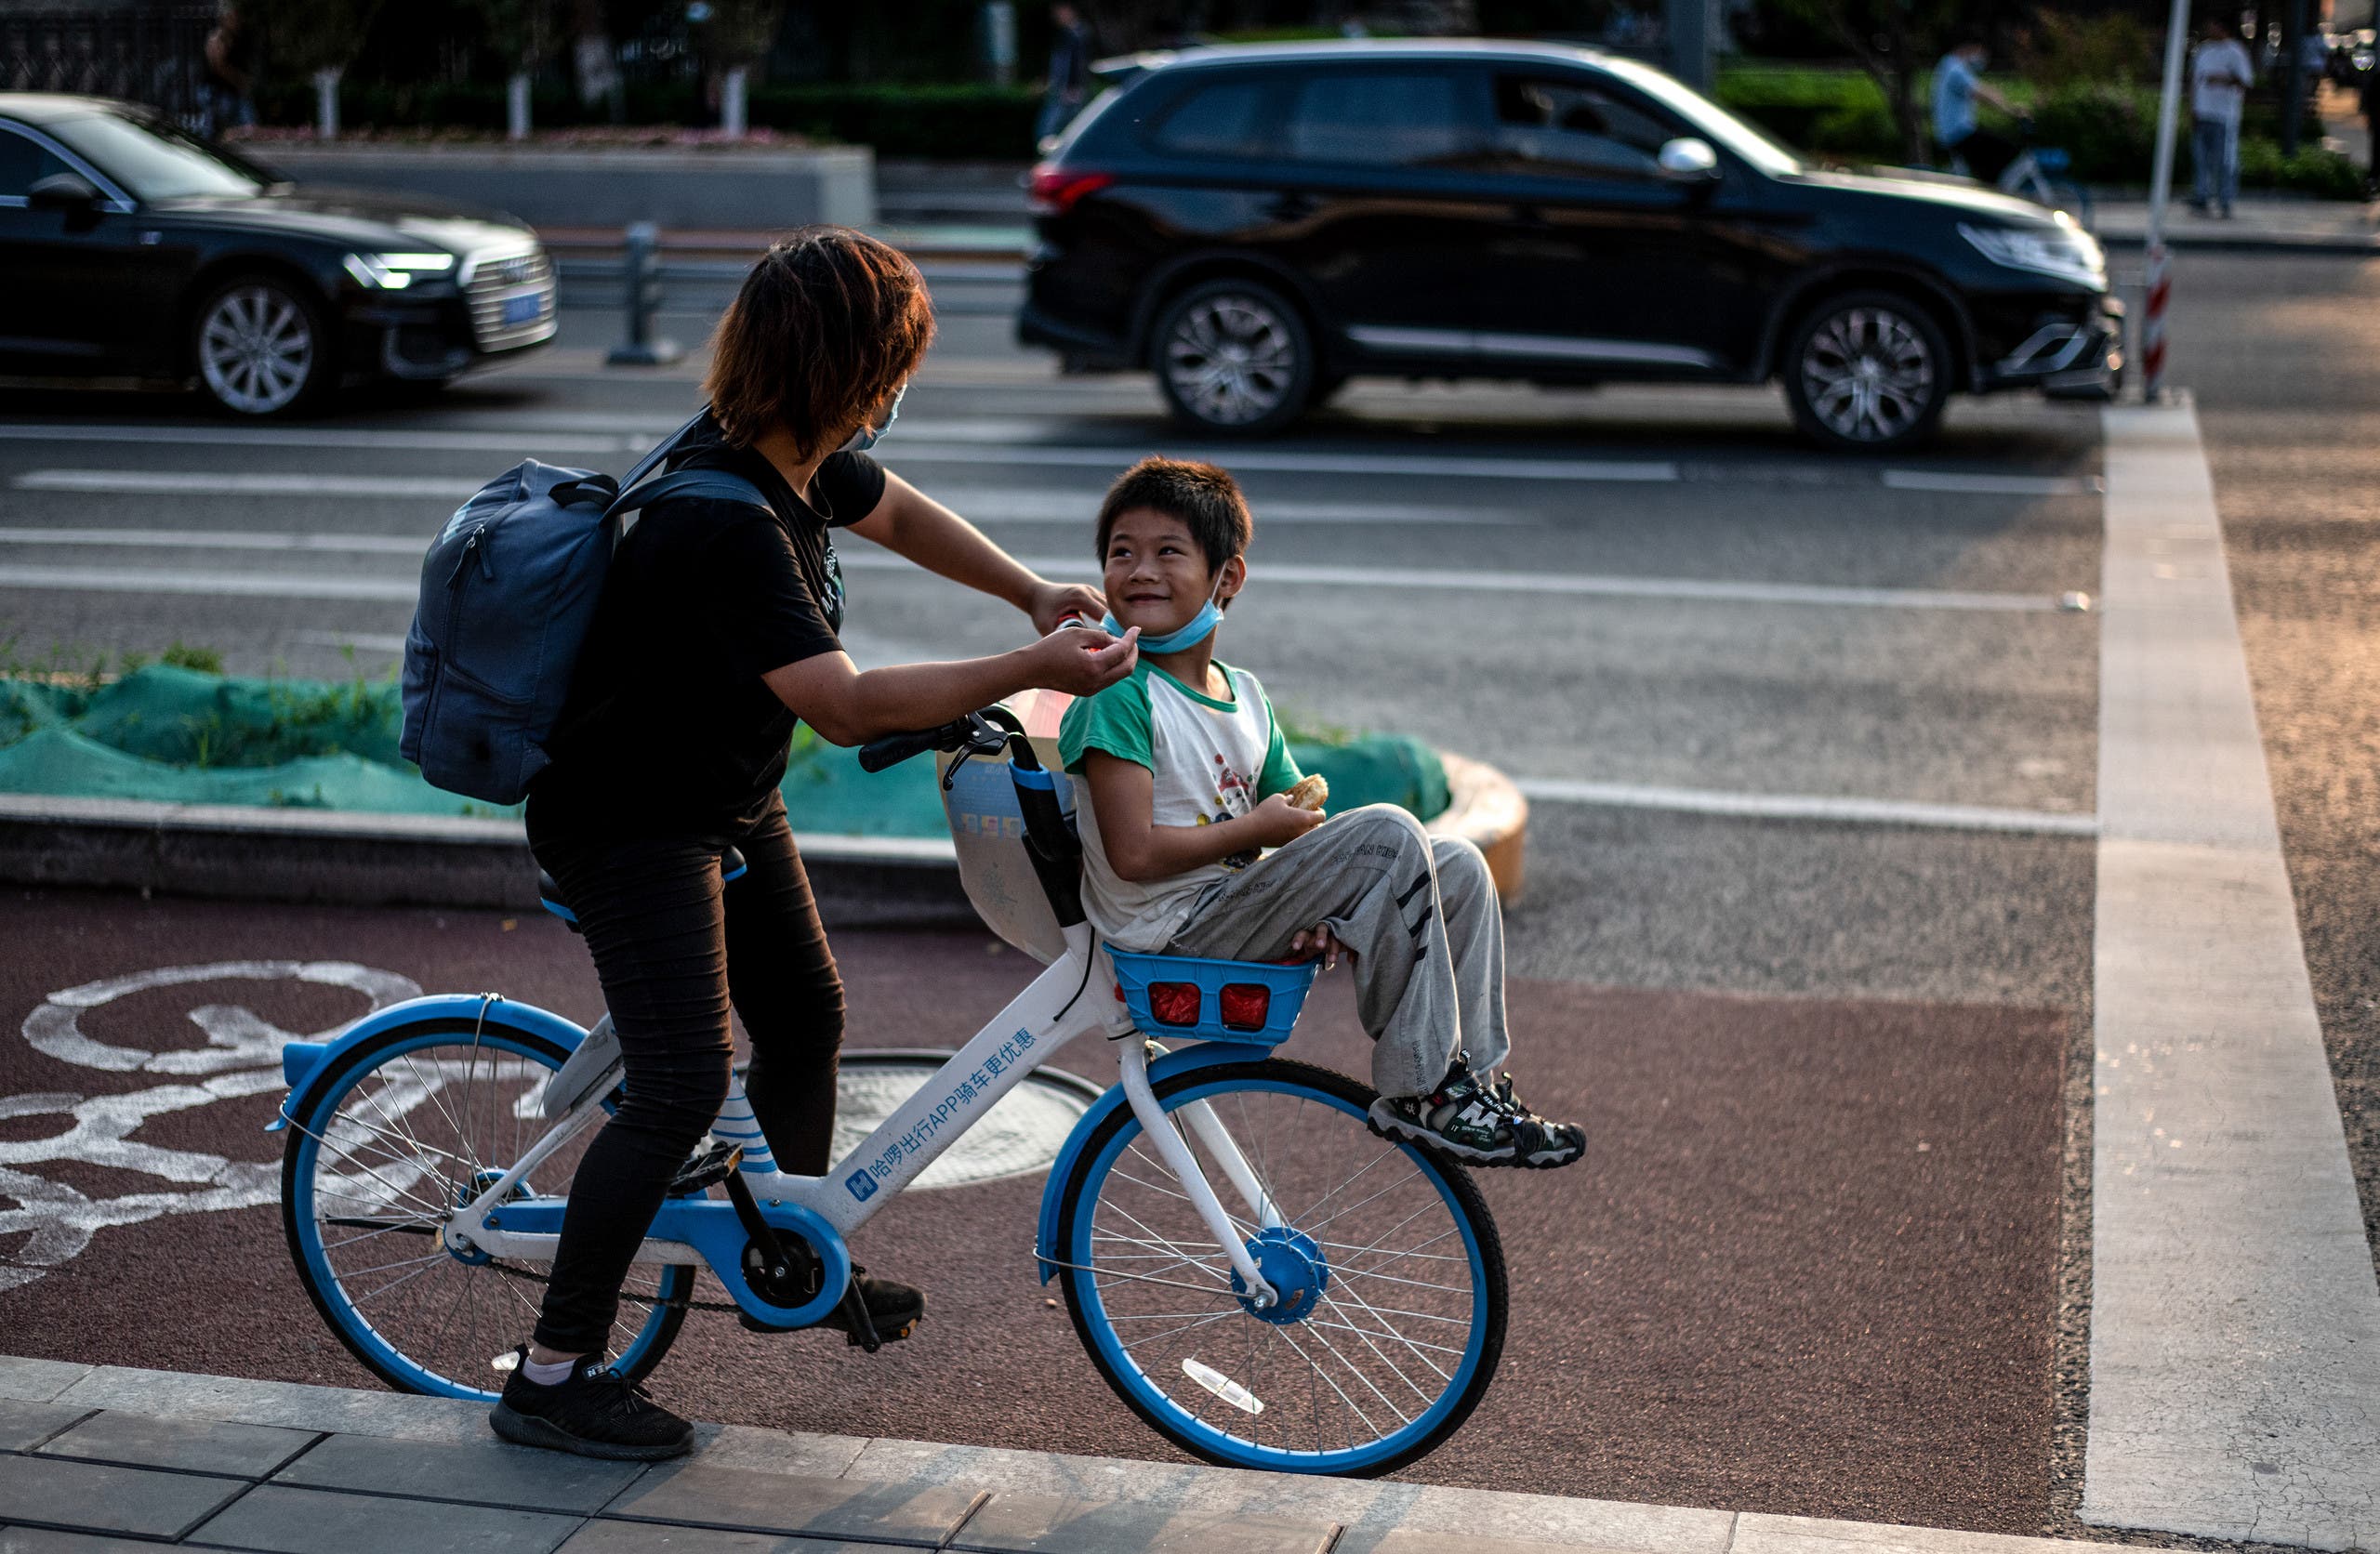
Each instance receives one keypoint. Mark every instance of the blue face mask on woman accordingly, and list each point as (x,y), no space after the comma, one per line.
(1189,634)
(863,439)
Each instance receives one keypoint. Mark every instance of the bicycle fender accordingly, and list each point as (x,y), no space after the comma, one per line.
(1205,1054)
(304,1061)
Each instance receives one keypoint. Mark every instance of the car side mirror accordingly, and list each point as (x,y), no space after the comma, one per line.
(66,191)
(1688,159)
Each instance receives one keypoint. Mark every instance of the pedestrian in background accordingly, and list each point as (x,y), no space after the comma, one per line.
(1070,71)
(231,61)
(1958,82)
(2221,74)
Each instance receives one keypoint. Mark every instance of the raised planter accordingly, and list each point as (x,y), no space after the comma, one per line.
(710,187)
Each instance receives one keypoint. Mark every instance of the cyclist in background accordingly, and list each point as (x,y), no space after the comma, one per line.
(1958,82)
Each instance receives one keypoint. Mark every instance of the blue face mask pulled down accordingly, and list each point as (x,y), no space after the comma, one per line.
(863,439)
(1189,634)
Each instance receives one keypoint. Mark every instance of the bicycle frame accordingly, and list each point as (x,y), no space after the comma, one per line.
(1057,1007)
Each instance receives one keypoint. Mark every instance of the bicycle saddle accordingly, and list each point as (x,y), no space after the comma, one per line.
(550,896)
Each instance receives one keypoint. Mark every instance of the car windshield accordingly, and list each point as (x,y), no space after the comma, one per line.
(156,161)
(1748,140)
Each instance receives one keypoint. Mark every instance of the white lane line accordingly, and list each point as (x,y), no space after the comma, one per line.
(2235,1320)
(521,443)
(360,641)
(415,545)
(527,440)
(221,584)
(990,505)
(1992,485)
(870,558)
(1809,806)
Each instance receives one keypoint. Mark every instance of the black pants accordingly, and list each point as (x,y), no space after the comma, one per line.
(675,950)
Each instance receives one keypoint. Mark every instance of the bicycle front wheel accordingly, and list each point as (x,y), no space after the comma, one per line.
(413,1124)
(1392,1277)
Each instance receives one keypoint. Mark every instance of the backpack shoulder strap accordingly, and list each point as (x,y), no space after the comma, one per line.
(716,484)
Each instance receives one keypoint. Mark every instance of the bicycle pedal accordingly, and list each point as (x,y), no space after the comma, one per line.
(708,1170)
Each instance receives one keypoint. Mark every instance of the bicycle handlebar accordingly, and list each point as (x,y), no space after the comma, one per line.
(979,730)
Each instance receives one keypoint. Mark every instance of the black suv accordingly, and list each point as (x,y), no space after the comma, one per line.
(1256,225)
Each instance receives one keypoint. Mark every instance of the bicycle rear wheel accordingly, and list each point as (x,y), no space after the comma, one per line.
(413,1124)
(1392,1279)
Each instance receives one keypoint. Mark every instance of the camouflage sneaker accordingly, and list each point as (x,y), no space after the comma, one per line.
(1480,1123)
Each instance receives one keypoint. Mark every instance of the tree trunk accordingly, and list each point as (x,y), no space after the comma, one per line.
(326,103)
(516,106)
(730,103)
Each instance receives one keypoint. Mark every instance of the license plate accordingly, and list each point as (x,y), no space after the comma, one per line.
(523,310)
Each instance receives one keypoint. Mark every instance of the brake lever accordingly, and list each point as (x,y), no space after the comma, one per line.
(982,739)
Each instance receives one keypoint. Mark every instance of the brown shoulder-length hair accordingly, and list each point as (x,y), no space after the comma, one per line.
(826,325)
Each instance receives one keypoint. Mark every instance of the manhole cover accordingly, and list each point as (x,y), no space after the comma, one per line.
(1022,1133)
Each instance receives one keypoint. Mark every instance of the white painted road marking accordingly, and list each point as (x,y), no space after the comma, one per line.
(1808,807)
(1991,485)
(315,586)
(992,505)
(2235,1320)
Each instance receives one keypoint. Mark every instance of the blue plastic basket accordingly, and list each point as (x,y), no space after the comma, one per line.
(1285,990)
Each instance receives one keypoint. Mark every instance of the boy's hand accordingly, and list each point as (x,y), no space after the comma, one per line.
(1052,602)
(1278,823)
(1083,663)
(1317,944)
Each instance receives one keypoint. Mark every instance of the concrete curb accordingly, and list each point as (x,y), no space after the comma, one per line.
(1136,1505)
(335,857)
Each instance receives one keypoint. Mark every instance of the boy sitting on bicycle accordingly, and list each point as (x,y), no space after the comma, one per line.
(1185,781)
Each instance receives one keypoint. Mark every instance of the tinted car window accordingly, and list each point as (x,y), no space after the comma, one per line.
(1226,119)
(23,162)
(1402,119)
(154,162)
(1566,126)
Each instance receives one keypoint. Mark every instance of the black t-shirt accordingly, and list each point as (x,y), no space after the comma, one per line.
(669,726)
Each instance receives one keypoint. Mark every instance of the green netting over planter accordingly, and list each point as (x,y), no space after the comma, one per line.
(183,737)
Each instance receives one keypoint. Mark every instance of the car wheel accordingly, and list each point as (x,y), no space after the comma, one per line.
(1867,371)
(260,347)
(1234,356)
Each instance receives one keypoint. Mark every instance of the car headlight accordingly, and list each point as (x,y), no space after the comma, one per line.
(395,272)
(2065,251)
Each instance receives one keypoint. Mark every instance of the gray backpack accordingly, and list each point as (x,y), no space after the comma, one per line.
(508,592)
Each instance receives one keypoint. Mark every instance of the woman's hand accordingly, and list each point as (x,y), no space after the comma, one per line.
(1083,663)
(1317,944)
(1052,602)
(1278,823)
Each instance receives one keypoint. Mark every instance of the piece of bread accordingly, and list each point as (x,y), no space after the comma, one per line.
(1312,792)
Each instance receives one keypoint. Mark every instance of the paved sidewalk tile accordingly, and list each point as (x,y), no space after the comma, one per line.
(648,1537)
(282,1520)
(1759,1533)
(37,1380)
(1050,1524)
(41,1540)
(189,1445)
(23,1425)
(880,1512)
(488,1473)
(109,1500)
(1406,1541)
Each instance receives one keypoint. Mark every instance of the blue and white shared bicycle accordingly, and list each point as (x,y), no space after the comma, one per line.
(1259,1275)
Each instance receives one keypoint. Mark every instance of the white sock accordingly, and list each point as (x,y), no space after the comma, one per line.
(547,1376)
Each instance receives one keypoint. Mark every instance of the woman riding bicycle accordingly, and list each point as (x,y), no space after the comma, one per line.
(716,633)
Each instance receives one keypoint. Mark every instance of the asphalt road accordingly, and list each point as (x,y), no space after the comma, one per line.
(1755,1297)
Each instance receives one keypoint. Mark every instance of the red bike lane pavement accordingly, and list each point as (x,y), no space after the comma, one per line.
(1807,1266)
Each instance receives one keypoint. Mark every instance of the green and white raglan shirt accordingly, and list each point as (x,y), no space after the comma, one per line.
(1210,760)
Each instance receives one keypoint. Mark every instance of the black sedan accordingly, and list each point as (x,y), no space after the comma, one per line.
(131,249)
(1256,225)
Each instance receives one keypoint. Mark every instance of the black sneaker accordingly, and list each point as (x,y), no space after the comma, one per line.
(893,1309)
(1483,1124)
(591,1412)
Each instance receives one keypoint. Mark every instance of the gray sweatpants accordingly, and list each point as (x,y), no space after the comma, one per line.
(1420,916)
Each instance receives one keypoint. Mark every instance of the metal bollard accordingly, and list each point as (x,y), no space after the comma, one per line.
(643,269)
